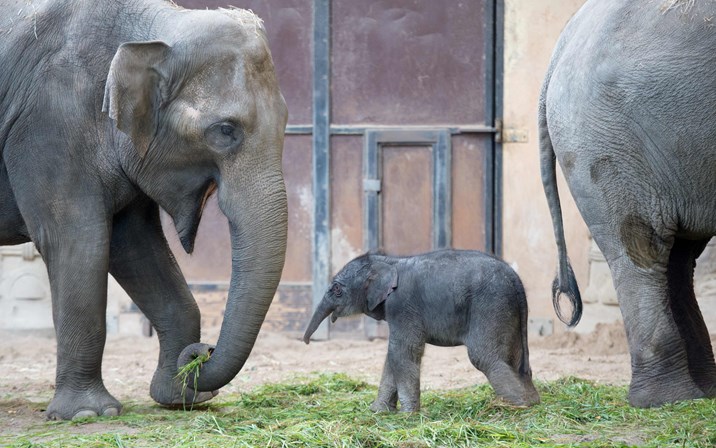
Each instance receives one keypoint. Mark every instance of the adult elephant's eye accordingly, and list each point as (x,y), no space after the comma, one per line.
(224,136)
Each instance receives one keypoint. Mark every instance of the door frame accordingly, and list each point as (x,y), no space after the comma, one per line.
(440,142)
(321,131)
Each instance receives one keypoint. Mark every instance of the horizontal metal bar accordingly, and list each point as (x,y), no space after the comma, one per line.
(307,129)
(299,129)
(421,136)
(221,286)
(454,129)
(208,286)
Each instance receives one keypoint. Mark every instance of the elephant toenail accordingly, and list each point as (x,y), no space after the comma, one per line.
(111,412)
(83,414)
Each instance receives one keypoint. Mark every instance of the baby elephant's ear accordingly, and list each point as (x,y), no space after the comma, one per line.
(382,280)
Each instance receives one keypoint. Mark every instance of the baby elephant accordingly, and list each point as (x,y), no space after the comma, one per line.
(444,298)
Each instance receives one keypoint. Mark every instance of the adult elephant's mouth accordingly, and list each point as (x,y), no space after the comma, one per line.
(188,227)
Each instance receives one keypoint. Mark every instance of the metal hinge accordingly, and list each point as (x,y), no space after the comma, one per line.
(371,185)
(509,135)
(498,130)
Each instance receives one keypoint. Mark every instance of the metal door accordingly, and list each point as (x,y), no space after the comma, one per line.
(392,139)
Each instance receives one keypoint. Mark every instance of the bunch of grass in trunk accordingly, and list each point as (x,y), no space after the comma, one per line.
(192,368)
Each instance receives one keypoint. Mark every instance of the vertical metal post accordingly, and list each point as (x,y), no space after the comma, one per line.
(372,178)
(321,245)
(494,14)
(498,69)
(442,190)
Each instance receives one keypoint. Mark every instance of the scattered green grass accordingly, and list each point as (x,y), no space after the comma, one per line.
(332,411)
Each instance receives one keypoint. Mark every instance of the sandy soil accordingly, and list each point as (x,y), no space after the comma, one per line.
(29,365)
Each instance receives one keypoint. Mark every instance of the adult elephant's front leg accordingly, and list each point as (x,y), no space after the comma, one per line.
(76,253)
(141,261)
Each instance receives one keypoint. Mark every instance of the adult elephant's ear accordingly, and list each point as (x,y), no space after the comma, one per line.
(136,87)
(382,280)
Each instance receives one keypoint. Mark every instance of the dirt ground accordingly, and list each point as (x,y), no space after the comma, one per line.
(28,361)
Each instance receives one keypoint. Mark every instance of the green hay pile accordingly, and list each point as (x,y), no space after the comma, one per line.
(332,411)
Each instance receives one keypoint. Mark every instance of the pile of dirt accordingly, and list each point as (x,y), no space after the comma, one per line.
(606,339)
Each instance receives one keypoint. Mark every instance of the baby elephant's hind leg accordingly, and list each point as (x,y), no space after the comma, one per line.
(503,371)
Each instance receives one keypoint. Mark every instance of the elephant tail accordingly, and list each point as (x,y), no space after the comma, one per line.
(565,281)
(524,313)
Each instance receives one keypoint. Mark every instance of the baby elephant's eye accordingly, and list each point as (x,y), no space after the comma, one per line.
(224,136)
(337,290)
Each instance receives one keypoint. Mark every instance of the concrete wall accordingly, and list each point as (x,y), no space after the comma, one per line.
(531,31)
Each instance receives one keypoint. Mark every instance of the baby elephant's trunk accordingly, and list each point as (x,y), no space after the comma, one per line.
(324,310)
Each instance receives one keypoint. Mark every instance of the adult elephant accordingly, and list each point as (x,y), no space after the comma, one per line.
(628,107)
(110,109)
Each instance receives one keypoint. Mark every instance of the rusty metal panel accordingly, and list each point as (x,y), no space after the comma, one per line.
(211,260)
(468,175)
(346,200)
(408,61)
(290,310)
(297,173)
(288,26)
(406,199)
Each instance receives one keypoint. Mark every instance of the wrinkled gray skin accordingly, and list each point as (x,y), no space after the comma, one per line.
(109,110)
(628,108)
(445,298)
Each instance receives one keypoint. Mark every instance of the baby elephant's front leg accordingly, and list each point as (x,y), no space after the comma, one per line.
(387,400)
(404,362)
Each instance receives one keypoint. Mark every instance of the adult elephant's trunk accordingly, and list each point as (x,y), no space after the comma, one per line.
(258,224)
(324,310)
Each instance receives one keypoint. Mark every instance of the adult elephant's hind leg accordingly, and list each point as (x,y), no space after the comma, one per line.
(142,263)
(659,356)
(688,318)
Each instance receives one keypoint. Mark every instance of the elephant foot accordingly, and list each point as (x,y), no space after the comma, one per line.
(190,398)
(168,390)
(522,396)
(522,401)
(68,404)
(410,409)
(382,406)
(659,390)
